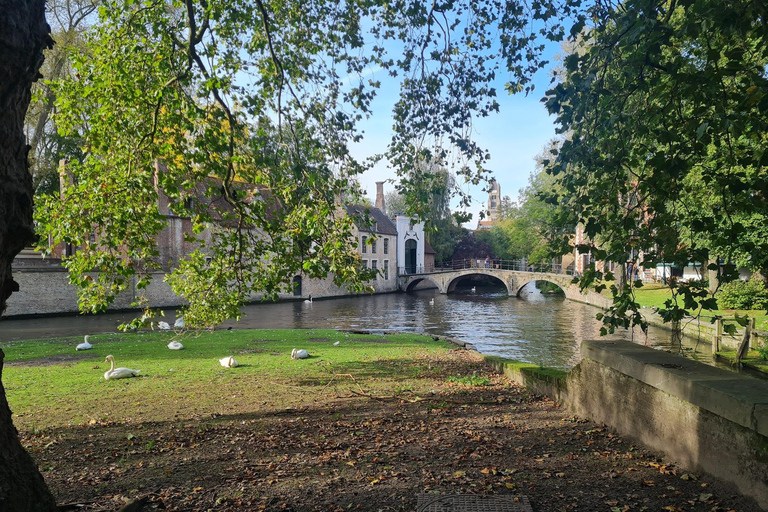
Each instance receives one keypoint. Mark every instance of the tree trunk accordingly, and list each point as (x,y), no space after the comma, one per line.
(23,36)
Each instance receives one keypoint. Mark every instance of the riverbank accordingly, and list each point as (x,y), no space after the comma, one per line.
(367,424)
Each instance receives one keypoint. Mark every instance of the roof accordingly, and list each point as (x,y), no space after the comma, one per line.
(428,248)
(484,224)
(372,220)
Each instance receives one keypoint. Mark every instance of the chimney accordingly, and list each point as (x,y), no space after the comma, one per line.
(380,195)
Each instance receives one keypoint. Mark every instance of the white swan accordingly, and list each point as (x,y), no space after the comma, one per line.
(175,345)
(163,326)
(179,323)
(118,373)
(432,302)
(474,290)
(309,300)
(299,354)
(336,344)
(84,345)
(228,362)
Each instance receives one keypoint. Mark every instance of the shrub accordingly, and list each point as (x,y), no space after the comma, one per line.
(750,294)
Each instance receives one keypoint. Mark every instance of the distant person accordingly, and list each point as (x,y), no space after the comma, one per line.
(487,262)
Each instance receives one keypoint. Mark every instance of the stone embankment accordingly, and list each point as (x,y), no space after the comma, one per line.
(705,418)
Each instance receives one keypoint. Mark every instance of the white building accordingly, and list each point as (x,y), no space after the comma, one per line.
(411,245)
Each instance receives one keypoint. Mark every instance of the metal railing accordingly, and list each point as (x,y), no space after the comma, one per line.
(481,263)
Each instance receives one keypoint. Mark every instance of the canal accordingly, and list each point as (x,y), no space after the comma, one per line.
(537,328)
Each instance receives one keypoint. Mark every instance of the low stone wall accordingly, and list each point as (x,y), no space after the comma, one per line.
(704,418)
(46,291)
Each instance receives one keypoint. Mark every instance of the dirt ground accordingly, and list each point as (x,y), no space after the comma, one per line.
(358,453)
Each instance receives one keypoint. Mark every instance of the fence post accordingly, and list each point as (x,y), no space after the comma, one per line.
(744,346)
(717,340)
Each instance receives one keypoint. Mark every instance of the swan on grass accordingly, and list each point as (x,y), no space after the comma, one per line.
(118,373)
(228,362)
(299,354)
(179,323)
(84,345)
(163,326)
(175,345)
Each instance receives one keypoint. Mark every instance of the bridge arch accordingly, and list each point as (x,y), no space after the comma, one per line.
(450,286)
(524,282)
(418,279)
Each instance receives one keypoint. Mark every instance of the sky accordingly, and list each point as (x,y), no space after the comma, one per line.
(514,136)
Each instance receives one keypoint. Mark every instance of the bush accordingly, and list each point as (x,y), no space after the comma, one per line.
(750,294)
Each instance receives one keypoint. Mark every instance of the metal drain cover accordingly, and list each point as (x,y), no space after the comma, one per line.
(471,503)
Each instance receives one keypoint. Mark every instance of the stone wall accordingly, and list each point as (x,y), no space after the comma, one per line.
(45,291)
(703,418)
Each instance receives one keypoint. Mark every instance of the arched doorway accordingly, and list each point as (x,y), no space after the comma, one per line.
(410,256)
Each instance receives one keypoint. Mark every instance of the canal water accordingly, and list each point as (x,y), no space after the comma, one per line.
(537,328)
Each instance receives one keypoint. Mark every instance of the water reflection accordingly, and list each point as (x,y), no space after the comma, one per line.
(535,328)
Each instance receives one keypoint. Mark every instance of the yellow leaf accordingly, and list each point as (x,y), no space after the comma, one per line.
(509,485)
(459,474)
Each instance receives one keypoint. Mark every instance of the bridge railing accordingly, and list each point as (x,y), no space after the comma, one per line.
(468,263)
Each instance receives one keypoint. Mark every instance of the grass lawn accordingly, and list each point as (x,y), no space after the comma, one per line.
(50,375)
(363,426)
(653,295)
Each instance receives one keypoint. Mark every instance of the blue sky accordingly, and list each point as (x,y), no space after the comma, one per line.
(514,136)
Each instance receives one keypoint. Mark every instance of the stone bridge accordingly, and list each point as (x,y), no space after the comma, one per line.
(514,280)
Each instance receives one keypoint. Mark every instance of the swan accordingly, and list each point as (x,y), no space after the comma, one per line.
(309,300)
(84,345)
(163,326)
(228,362)
(431,302)
(118,373)
(179,323)
(175,345)
(336,344)
(299,354)
(474,290)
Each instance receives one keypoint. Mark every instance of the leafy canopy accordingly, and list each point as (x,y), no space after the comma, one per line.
(241,114)
(667,111)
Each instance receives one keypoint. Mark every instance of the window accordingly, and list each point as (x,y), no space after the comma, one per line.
(373,246)
(297,286)
(386,246)
(365,263)
(374,265)
(363,241)
(386,266)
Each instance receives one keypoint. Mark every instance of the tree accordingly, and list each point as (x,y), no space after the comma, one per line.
(68,19)
(24,35)
(472,246)
(664,92)
(222,101)
(526,227)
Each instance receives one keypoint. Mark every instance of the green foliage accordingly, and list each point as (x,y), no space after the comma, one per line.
(470,380)
(666,108)
(526,226)
(241,114)
(739,294)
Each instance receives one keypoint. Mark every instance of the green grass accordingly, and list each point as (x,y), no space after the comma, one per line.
(654,295)
(190,382)
(754,359)
(469,380)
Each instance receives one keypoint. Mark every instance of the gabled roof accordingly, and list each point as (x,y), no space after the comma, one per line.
(428,248)
(372,220)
